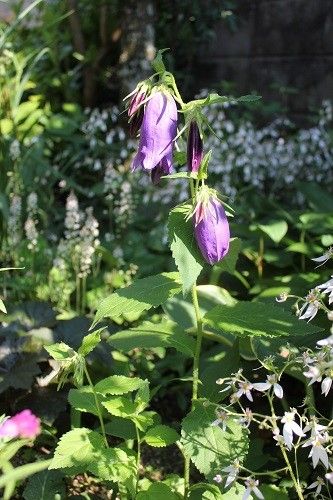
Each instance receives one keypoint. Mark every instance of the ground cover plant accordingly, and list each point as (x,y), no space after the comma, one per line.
(166,324)
(238,429)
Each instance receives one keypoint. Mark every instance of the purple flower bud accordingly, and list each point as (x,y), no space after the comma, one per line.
(194,148)
(136,102)
(158,131)
(136,122)
(211,227)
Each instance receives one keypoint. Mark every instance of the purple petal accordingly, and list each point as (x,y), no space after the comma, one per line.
(212,232)
(158,130)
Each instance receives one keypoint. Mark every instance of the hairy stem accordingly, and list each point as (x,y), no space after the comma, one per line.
(138,457)
(98,406)
(198,344)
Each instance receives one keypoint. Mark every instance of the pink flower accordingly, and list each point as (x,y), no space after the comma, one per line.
(24,425)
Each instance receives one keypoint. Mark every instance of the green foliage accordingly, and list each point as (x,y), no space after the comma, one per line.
(157,490)
(118,385)
(45,485)
(256,319)
(161,435)
(139,297)
(209,447)
(147,335)
(184,247)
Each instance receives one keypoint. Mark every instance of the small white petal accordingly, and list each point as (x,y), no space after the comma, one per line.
(258,493)
(262,386)
(278,391)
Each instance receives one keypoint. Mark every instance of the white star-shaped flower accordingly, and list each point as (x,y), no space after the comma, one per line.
(252,488)
(290,427)
(270,382)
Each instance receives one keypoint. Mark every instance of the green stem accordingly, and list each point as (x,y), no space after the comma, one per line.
(138,457)
(98,407)
(198,345)
(286,459)
(195,377)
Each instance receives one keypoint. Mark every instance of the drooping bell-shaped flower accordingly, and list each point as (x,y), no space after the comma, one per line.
(158,131)
(194,148)
(211,227)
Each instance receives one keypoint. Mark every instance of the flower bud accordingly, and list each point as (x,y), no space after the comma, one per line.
(211,227)
(158,131)
(194,148)
(136,102)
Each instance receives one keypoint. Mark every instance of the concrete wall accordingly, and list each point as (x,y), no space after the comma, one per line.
(282,42)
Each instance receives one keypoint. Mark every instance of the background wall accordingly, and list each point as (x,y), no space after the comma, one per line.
(287,43)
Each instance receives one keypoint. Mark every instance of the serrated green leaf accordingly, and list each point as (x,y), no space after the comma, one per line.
(236,492)
(118,384)
(276,230)
(3,307)
(139,296)
(113,464)
(77,448)
(60,351)
(148,335)
(209,447)
(161,435)
(257,319)
(119,427)
(83,400)
(228,263)
(158,491)
(121,407)
(183,245)
(45,485)
(90,341)
(272,492)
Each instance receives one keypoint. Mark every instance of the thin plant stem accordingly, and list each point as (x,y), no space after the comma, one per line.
(98,407)
(198,344)
(138,457)
(195,381)
(285,456)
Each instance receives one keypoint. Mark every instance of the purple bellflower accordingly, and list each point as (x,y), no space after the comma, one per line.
(194,148)
(158,131)
(211,227)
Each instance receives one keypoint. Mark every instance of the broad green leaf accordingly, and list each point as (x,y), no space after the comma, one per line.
(117,385)
(161,435)
(83,400)
(204,491)
(60,351)
(219,364)
(121,407)
(90,341)
(275,230)
(157,491)
(113,464)
(183,245)
(255,318)
(228,263)
(119,427)
(209,447)
(77,448)
(147,335)
(310,249)
(139,296)
(3,307)
(45,485)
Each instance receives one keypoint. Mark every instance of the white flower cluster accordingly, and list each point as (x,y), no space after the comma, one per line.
(298,430)
(81,239)
(271,157)
(14,220)
(30,225)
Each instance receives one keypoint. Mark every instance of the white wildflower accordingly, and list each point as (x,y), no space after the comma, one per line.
(317,484)
(233,471)
(325,257)
(290,427)
(252,489)
(270,382)
(318,451)
(222,418)
(311,305)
